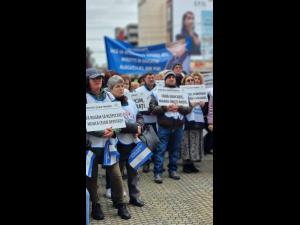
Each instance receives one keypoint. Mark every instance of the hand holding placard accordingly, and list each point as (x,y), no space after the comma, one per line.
(108,132)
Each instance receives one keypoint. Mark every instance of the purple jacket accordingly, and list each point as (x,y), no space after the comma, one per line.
(210,118)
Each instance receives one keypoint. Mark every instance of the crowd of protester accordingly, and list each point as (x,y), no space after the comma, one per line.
(180,131)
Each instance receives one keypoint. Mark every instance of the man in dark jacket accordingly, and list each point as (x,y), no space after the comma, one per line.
(170,121)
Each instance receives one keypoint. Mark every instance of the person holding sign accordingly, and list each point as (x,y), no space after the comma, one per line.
(170,130)
(198,78)
(150,120)
(128,135)
(97,140)
(192,145)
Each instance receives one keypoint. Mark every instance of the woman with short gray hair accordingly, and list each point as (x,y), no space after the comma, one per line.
(127,136)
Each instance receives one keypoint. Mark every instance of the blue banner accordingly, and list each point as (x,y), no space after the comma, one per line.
(127,59)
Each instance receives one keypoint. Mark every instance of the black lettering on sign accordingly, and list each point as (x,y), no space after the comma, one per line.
(141,106)
(138,100)
(164,100)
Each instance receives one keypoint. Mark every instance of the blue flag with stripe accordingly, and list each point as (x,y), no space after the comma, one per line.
(90,157)
(111,154)
(139,155)
(87,200)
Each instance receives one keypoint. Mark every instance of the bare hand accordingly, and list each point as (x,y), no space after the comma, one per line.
(108,132)
(173,107)
(138,133)
(170,107)
(193,104)
(139,130)
(202,103)
(210,127)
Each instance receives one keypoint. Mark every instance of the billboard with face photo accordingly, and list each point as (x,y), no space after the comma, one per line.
(193,20)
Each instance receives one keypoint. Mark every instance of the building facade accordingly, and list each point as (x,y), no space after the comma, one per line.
(153,25)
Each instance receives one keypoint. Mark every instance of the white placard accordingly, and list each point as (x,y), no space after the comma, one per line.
(100,116)
(167,96)
(208,80)
(196,93)
(141,100)
(160,83)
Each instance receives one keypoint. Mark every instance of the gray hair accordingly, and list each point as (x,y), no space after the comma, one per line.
(112,81)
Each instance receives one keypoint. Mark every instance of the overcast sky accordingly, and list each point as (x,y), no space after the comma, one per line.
(102,17)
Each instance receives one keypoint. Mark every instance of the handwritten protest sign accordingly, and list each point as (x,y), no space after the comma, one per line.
(100,116)
(167,96)
(196,93)
(141,100)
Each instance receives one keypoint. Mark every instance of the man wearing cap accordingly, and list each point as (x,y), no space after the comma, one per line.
(97,140)
(170,121)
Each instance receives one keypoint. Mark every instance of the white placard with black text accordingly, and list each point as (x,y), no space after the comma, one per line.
(196,93)
(100,116)
(167,96)
(141,100)
(160,83)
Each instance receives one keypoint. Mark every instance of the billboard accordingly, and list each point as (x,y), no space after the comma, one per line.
(193,20)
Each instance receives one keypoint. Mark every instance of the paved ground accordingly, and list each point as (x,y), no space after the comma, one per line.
(174,202)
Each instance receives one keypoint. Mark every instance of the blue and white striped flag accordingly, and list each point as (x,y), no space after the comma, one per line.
(90,156)
(87,201)
(111,154)
(139,155)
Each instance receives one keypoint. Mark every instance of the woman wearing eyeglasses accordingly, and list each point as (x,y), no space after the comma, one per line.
(192,145)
